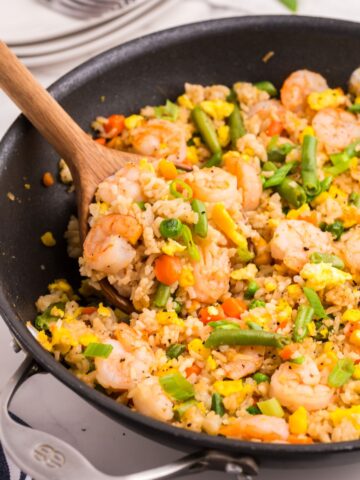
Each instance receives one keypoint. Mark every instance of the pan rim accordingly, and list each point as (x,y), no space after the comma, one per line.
(60,89)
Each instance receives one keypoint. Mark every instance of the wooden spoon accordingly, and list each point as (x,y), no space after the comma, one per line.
(89,162)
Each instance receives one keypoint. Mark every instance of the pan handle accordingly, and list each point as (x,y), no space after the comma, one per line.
(44,456)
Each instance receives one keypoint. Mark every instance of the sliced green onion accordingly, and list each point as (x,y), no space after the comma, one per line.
(201,227)
(171,228)
(214,161)
(177,306)
(279,154)
(273,142)
(223,324)
(292,5)
(184,187)
(43,320)
(175,385)
(175,350)
(256,304)
(252,288)
(162,295)
(354,108)
(292,192)
(169,111)
(141,205)
(244,254)
(121,316)
(217,404)
(315,302)
(303,318)
(341,373)
(267,87)
(253,410)
(336,229)
(180,410)
(192,249)
(354,198)
(253,325)
(269,167)
(298,360)
(260,377)
(271,408)
(279,175)
(334,260)
(102,350)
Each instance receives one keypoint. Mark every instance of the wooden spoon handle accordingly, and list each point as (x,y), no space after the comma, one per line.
(41,109)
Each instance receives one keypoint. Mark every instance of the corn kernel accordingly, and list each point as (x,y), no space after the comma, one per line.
(223,134)
(246,273)
(294,291)
(42,338)
(167,170)
(351,413)
(312,329)
(356,373)
(184,101)
(87,338)
(270,286)
(355,338)
(104,311)
(295,214)
(352,315)
(186,278)
(273,222)
(103,207)
(196,346)
(146,166)
(192,155)
(211,363)
(328,347)
(48,239)
(169,318)
(307,131)
(167,368)
(172,247)
(61,285)
(57,312)
(133,121)
(298,421)
(320,199)
(228,387)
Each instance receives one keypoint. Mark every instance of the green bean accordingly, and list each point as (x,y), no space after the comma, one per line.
(224,324)
(201,226)
(269,167)
(278,154)
(192,249)
(141,205)
(253,325)
(217,404)
(252,288)
(354,108)
(260,377)
(171,228)
(309,165)
(303,318)
(206,129)
(334,260)
(175,350)
(336,229)
(236,124)
(267,87)
(292,5)
(279,175)
(162,295)
(253,410)
(292,192)
(354,198)
(315,302)
(244,337)
(214,161)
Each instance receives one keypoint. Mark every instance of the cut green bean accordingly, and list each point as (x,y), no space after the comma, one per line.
(217,404)
(315,302)
(336,229)
(206,129)
(267,87)
(253,410)
(292,192)
(162,295)
(341,373)
(292,5)
(225,324)
(279,154)
(201,226)
(303,318)
(334,260)
(214,161)
(236,124)
(175,350)
(253,325)
(279,175)
(245,337)
(354,198)
(309,176)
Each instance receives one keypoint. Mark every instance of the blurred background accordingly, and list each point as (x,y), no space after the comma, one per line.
(52,37)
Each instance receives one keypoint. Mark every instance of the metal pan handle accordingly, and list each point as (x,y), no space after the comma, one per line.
(45,457)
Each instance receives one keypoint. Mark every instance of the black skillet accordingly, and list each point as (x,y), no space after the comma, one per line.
(144,71)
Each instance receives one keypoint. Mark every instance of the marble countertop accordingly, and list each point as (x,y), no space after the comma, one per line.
(45,402)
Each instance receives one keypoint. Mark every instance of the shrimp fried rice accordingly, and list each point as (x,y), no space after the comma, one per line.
(237,239)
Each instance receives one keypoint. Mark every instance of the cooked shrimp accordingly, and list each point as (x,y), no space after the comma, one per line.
(130,361)
(160,138)
(211,275)
(150,399)
(350,249)
(267,111)
(107,246)
(335,128)
(124,183)
(248,180)
(258,427)
(298,86)
(295,240)
(212,185)
(244,362)
(299,386)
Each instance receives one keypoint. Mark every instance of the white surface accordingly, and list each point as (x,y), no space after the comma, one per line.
(50,406)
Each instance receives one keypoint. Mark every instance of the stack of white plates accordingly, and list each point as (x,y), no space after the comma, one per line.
(40,36)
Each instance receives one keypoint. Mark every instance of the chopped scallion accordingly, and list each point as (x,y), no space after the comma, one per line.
(102,350)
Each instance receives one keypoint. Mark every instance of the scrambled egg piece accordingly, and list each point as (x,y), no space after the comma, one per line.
(331,97)
(217,109)
(322,275)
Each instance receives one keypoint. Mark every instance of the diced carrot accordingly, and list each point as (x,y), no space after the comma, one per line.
(211,314)
(283,324)
(48,179)
(88,310)
(193,369)
(234,307)
(287,352)
(275,128)
(115,124)
(167,269)
(310,218)
(100,140)
(237,431)
(300,440)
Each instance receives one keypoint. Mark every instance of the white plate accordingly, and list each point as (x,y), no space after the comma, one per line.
(89,35)
(103,42)
(28,21)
